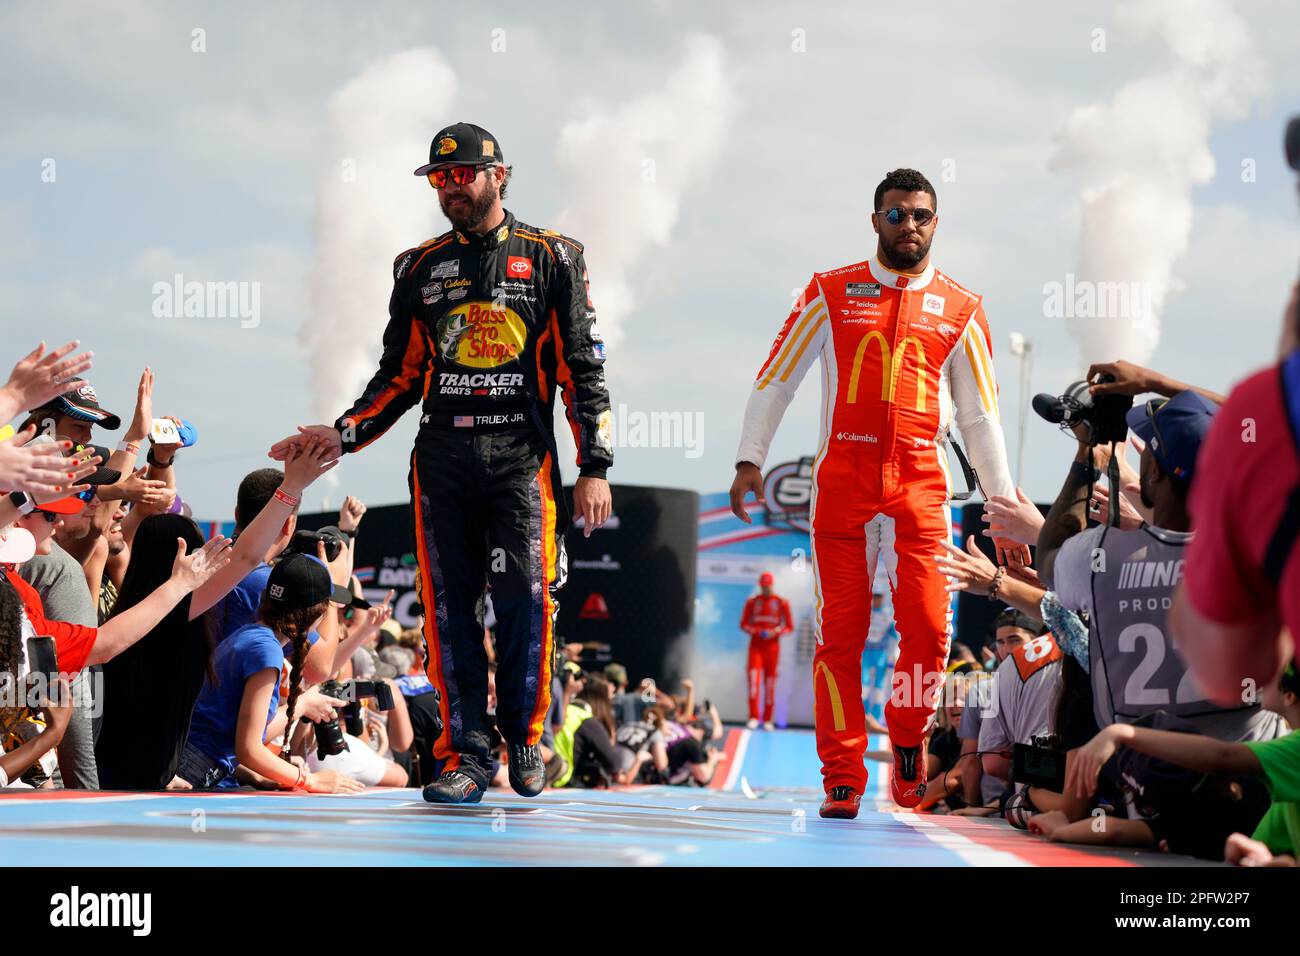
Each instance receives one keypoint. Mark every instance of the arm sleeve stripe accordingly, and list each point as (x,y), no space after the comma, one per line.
(802,334)
(978,358)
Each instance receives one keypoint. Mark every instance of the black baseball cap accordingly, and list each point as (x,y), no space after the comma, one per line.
(299,580)
(103,474)
(462,144)
(83,405)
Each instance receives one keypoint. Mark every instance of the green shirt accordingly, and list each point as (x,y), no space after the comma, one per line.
(1280,760)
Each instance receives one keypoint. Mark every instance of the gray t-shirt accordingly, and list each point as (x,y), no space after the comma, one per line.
(1027,684)
(980,698)
(1125,582)
(59,580)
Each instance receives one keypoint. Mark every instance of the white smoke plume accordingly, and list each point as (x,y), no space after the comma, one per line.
(1138,158)
(626,170)
(368,209)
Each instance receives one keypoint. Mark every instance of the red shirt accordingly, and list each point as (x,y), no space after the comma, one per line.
(72,642)
(1245,471)
(770,614)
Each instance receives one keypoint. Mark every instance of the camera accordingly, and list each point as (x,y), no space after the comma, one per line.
(329,733)
(1102,415)
(304,542)
(1040,763)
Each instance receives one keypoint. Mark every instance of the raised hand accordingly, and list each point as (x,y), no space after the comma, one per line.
(351,513)
(1018,520)
(967,570)
(39,377)
(305,462)
(192,570)
(142,420)
(280,450)
(41,469)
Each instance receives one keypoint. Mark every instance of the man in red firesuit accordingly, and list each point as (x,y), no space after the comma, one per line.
(905,353)
(766,617)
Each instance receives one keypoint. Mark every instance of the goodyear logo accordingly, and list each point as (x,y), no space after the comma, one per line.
(446,145)
(481,335)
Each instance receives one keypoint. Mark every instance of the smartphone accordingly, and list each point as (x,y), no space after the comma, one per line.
(164,432)
(43,660)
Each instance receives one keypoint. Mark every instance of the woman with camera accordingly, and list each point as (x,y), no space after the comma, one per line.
(237,709)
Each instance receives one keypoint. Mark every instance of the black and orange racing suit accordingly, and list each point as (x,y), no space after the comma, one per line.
(484,330)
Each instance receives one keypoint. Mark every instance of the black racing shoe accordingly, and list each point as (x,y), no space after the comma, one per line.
(453,787)
(907,781)
(527,772)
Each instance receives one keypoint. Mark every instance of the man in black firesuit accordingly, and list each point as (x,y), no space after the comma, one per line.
(486,324)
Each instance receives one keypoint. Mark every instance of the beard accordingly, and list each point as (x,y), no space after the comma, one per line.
(1144,492)
(467,218)
(908,256)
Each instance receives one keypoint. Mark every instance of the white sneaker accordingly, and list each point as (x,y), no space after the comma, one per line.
(752,723)
(769,726)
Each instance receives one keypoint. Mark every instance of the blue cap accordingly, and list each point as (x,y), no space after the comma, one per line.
(189,435)
(1174,429)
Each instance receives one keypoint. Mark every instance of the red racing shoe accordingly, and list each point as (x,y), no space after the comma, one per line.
(841,803)
(907,780)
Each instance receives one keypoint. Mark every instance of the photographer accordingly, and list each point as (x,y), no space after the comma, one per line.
(1124,579)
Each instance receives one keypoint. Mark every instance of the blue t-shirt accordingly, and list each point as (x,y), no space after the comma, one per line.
(238,609)
(248,651)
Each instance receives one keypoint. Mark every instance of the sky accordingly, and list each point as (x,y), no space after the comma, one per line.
(710,159)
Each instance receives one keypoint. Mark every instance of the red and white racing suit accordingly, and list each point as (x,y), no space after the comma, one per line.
(902,357)
(766,617)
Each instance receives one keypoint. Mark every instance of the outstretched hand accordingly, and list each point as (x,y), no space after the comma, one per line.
(330,435)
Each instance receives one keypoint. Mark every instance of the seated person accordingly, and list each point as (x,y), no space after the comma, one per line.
(234,715)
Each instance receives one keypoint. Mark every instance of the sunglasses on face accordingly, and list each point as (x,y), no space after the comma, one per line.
(897,214)
(460,175)
(49,516)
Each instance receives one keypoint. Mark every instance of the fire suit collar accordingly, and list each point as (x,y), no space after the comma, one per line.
(888,277)
(496,237)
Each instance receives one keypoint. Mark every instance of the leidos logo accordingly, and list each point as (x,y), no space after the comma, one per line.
(891,367)
(481,335)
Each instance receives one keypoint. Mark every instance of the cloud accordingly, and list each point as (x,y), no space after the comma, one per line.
(1138,159)
(368,209)
(626,169)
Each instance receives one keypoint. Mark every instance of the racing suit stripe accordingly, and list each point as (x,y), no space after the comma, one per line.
(546,644)
(980,368)
(772,394)
(974,399)
(433,657)
(565,379)
(801,334)
(425,252)
(412,370)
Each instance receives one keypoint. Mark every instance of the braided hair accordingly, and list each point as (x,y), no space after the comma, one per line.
(11,651)
(294,625)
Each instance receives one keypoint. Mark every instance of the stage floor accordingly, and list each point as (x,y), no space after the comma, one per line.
(761,811)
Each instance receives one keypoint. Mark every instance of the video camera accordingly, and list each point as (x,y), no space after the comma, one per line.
(329,733)
(1102,415)
(1040,763)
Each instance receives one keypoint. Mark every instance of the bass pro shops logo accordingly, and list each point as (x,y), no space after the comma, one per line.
(481,335)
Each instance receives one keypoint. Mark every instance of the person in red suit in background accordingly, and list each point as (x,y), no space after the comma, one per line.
(765,619)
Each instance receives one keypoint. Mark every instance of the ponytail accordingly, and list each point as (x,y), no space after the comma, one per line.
(294,625)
